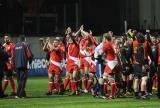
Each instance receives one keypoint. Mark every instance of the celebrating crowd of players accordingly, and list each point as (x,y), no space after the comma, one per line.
(116,66)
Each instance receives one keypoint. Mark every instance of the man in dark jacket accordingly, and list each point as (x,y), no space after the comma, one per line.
(3,59)
(21,56)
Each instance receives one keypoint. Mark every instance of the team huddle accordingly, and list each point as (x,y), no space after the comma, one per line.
(108,69)
(113,67)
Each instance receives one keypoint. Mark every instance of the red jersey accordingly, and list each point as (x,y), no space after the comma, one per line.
(9,47)
(145,50)
(73,50)
(94,41)
(62,47)
(135,45)
(83,44)
(109,51)
(56,55)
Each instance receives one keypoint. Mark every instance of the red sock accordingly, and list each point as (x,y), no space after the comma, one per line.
(105,88)
(113,88)
(12,84)
(85,83)
(69,84)
(61,87)
(66,82)
(5,84)
(89,85)
(57,86)
(50,87)
(73,86)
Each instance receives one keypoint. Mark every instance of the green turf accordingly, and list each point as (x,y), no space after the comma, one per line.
(36,88)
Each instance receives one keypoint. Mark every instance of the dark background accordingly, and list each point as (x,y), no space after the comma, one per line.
(41,17)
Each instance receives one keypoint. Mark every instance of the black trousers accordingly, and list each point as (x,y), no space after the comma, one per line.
(22,75)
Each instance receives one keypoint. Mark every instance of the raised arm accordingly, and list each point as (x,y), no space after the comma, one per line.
(46,44)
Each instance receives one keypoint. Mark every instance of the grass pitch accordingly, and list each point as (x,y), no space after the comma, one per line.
(36,98)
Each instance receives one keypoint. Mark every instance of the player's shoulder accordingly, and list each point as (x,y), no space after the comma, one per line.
(4,44)
(108,44)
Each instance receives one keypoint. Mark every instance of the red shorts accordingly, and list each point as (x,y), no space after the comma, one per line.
(54,69)
(83,63)
(71,66)
(9,66)
(92,68)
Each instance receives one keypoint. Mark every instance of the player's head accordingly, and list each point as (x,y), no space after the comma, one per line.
(22,38)
(69,39)
(110,33)
(154,39)
(140,37)
(58,39)
(106,37)
(56,42)
(85,36)
(7,38)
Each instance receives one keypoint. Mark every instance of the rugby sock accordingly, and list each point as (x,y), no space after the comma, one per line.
(56,86)
(85,83)
(66,82)
(155,81)
(105,88)
(92,85)
(130,84)
(75,85)
(113,88)
(61,86)
(89,85)
(69,84)
(80,84)
(50,87)
(12,84)
(5,84)
(101,90)
(124,86)
(149,85)
(96,88)
(117,88)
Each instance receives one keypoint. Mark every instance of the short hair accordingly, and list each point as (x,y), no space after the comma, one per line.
(107,36)
(22,38)
(140,37)
(8,35)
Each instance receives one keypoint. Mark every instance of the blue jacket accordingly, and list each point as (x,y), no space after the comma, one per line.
(22,55)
